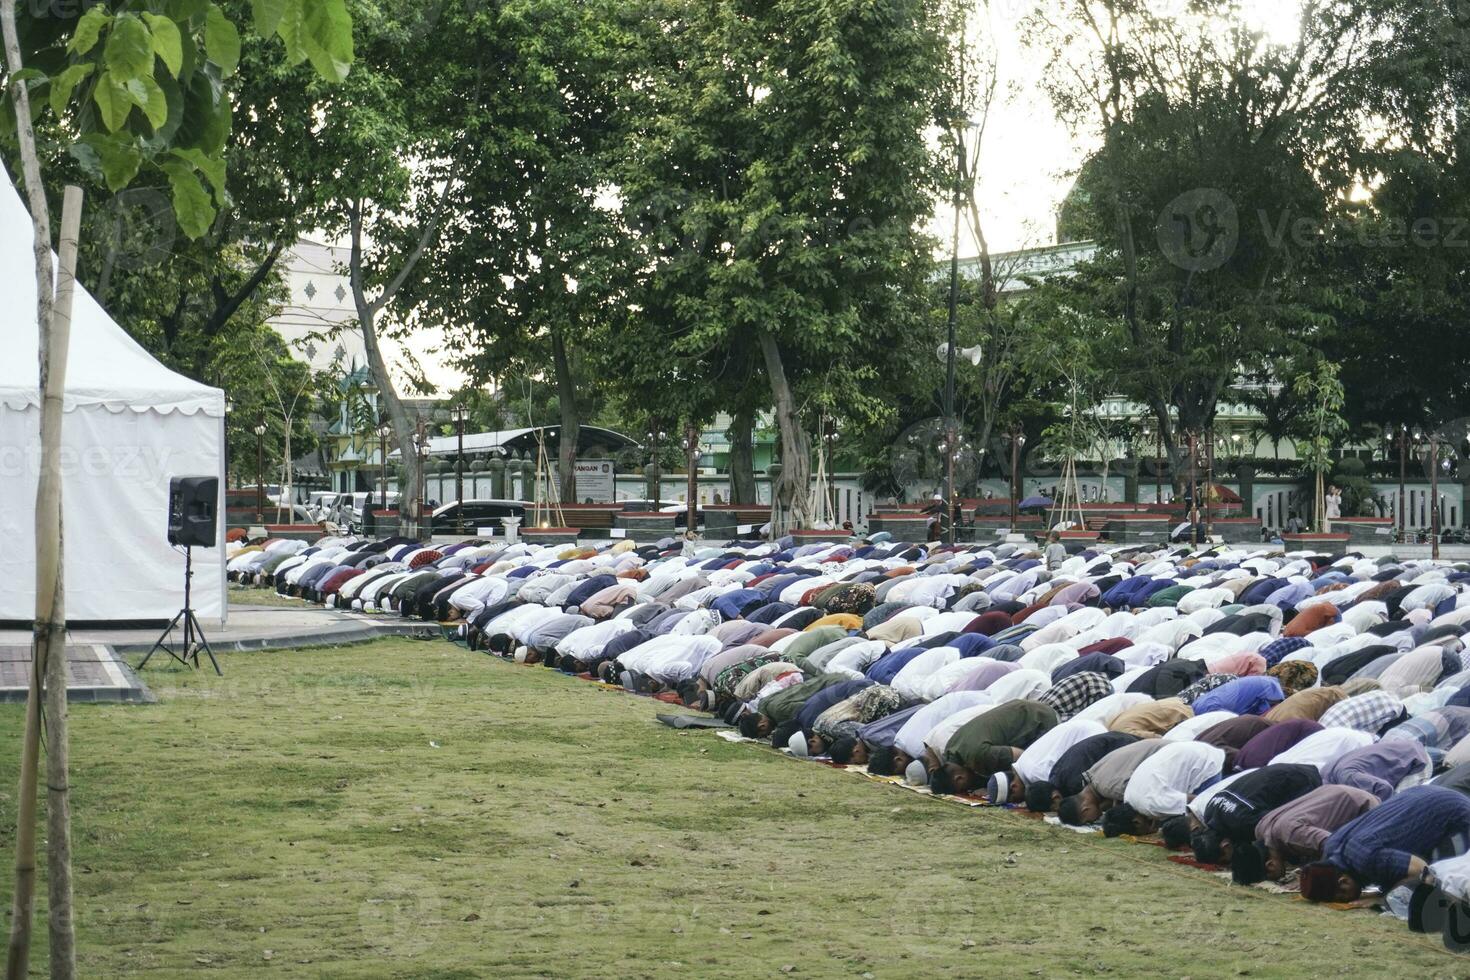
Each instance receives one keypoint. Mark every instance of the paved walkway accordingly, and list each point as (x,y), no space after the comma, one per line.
(98,672)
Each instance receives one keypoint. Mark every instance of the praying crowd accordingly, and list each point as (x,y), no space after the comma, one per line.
(1291,718)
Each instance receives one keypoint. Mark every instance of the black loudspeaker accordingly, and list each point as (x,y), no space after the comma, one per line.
(192,503)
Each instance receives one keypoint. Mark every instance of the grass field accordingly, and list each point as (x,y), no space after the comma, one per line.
(245,595)
(406,808)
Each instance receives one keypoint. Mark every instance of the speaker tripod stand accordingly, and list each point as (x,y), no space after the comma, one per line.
(193,638)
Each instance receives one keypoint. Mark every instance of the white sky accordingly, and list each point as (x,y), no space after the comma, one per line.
(1028,158)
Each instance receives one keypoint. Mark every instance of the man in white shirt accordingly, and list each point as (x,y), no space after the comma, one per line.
(910,680)
(576,648)
(1163,785)
(665,661)
(1322,749)
(1037,760)
(908,744)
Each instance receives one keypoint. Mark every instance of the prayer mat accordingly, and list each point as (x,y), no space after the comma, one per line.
(690,721)
(1151,839)
(1190,862)
(1056,821)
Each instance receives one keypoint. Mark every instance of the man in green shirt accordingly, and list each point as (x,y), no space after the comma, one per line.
(783,706)
(989,743)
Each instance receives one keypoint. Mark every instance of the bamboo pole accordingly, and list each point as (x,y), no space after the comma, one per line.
(24,897)
(51,604)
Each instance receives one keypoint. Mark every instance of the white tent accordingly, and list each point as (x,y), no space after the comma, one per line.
(130,425)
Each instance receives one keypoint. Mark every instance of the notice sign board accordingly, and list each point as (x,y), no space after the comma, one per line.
(596,479)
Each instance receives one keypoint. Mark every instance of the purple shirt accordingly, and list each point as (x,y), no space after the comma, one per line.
(1378,768)
(986,673)
(1261,749)
(1301,827)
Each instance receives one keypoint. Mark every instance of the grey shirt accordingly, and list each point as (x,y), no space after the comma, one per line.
(1109,775)
(1056,553)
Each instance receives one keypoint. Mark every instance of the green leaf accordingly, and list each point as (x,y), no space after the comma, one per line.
(207,112)
(183,10)
(148,96)
(129,52)
(326,37)
(165,136)
(191,200)
(89,29)
(212,167)
(221,40)
(65,83)
(168,44)
(113,101)
(118,158)
(28,75)
(268,15)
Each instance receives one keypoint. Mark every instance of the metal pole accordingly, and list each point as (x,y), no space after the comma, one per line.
(1209,482)
(459,465)
(692,493)
(1434,496)
(1015,475)
(1403,471)
(260,471)
(1193,491)
(1159,466)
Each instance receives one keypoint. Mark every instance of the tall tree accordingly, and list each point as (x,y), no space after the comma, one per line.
(537,251)
(778,173)
(1217,145)
(393,136)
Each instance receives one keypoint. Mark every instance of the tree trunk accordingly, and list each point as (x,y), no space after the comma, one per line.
(54,326)
(742,457)
(51,603)
(24,897)
(571,422)
(791,498)
(409,517)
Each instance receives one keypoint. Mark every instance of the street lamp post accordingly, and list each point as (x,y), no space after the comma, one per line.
(421,450)
(1159,466)
(260,468)
(830,438)
(1209,482)
(691,493)
(1194,491)
(1434,496)
(458,415)
(654,435)
(1403,435)
(383,431)
(1018,439)
(1417,437)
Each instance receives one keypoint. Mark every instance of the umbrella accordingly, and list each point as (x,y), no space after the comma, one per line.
(1219,494)
(1034,503)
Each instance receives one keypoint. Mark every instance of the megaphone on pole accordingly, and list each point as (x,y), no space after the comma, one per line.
(971,354)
